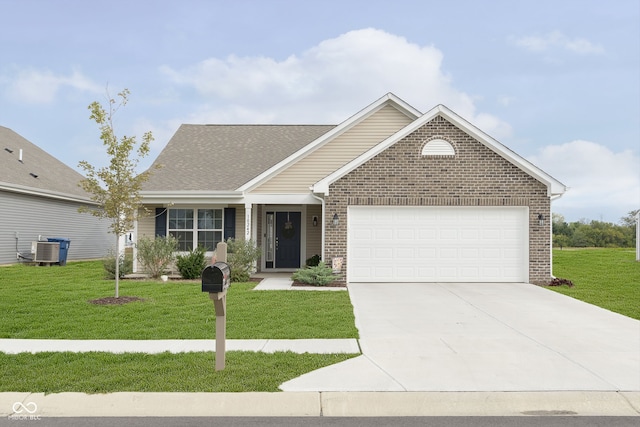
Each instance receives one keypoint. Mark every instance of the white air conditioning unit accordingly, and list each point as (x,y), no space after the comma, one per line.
(45,251)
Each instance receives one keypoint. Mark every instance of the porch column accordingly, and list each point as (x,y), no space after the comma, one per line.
(247,221)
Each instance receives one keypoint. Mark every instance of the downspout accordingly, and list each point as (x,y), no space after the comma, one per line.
(323,224)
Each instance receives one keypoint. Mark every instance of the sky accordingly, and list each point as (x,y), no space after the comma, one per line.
(558,81)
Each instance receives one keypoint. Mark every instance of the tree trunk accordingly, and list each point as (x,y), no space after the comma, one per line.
(117,265)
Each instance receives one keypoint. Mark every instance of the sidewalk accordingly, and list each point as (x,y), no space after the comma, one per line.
(323,346)
(314,404)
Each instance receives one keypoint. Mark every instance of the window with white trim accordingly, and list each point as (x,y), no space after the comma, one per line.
(196,227)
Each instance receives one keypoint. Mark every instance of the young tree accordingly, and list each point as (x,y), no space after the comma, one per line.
(115,188)
(630,219)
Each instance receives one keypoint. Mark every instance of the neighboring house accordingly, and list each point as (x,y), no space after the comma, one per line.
(40,197)
(389,195)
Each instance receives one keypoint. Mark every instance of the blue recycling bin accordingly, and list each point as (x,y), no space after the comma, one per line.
(64,248)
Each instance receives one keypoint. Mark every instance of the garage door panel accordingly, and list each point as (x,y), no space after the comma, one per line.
(361,253)
(398,244)
(470,254)
(426,233)
(406,234)
(383,234)
(404,254)
(383,252)
(363,234)
(449,234)
(471,274)
(448,253)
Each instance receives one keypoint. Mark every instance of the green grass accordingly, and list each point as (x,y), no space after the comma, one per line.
(133,372)
(608,278)
(53,302)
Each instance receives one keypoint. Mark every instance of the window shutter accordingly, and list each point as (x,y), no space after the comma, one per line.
(229,223)
(161,222)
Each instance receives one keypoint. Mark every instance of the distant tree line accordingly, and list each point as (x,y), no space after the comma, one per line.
(584,233)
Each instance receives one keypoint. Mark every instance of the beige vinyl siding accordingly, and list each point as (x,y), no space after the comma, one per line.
(239,221)
(147,221)
(314,234)
(334,154)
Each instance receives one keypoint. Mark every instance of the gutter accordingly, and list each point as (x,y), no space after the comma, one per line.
(149,197)
(14,188)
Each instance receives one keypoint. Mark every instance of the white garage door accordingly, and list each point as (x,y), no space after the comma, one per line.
(437,244)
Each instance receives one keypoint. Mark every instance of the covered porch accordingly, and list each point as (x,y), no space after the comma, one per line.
(288,232)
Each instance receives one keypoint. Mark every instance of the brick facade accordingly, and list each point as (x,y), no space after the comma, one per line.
(475,176)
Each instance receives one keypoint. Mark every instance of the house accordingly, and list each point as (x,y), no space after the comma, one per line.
(40,197)
(389,195)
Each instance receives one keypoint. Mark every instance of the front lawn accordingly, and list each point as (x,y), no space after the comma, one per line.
(54,302)
(608,278)
(166,372)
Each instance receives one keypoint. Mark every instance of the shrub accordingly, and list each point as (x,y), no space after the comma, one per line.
(191,265)
(313,261)
(155,255)
(109,264)
(320,275)
(241,257)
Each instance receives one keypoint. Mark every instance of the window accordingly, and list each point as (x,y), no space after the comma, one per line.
(196,227)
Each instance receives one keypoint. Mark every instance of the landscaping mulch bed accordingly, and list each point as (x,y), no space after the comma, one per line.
(115,301)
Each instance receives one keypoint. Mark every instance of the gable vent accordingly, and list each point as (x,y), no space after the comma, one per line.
(438,147)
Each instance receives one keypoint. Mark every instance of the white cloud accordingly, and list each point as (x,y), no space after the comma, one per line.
(505,100)
(33,86)
(599,179)
(558,40)
(328,82)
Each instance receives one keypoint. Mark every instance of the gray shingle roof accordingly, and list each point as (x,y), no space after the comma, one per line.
(49,174)
(224,157)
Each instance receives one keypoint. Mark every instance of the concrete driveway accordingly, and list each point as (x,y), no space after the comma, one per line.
(481,337)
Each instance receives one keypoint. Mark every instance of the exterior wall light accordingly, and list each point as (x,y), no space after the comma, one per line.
(540,219)
(315,221)
(336,220)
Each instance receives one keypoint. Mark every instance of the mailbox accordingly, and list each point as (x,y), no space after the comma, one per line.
(216,277)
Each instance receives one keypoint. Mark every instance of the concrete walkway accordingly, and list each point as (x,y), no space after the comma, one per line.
(286,284)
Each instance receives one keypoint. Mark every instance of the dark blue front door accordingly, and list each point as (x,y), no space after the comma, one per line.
(287,240)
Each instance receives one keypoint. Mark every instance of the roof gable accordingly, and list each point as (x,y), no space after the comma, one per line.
(26,168)
(387,100)
(555,187)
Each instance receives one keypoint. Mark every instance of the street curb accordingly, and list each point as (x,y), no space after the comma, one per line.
(329,404)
